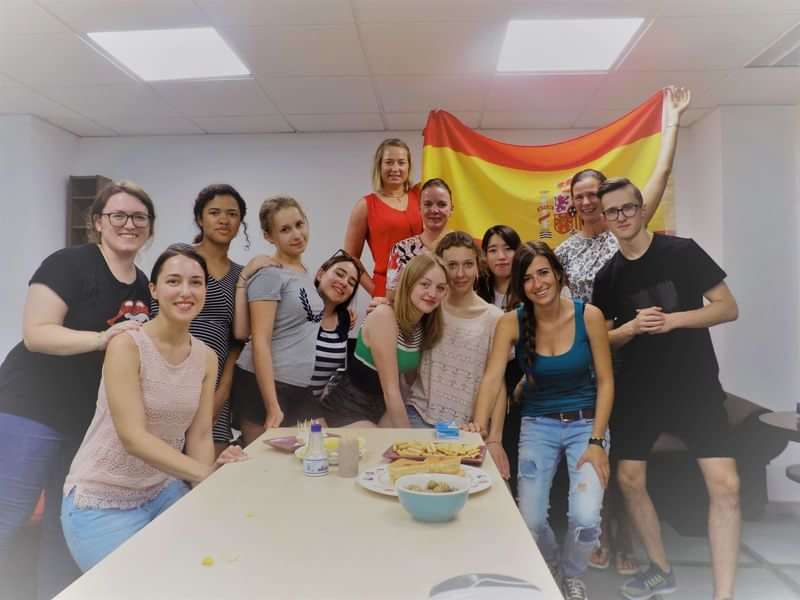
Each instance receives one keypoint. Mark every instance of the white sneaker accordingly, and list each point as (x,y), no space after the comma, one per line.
(574,589)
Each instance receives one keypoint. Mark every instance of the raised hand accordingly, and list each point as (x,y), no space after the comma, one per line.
(678,100)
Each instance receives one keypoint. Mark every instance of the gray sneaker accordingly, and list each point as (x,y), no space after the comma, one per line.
(649,583)
(574,589)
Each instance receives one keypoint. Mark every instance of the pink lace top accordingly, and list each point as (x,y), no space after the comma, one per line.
(103,474)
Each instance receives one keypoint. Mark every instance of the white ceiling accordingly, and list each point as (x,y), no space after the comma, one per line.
(353,65)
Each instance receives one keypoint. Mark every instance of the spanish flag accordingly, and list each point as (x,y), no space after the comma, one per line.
(527,187)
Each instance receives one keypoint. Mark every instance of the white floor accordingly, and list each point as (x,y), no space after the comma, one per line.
(769,562)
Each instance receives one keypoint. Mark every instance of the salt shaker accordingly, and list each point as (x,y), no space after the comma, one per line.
(348,457)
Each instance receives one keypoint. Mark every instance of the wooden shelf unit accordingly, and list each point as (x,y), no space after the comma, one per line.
(83,189)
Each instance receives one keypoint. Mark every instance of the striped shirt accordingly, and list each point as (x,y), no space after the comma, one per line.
(331,355)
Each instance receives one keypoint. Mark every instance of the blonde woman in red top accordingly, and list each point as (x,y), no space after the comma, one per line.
(386,216)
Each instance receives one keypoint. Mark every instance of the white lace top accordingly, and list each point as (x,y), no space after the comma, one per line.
(582,257)
(103,474)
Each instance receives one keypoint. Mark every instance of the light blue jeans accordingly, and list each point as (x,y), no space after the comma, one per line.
(542,443)
(416,420)
(94,533)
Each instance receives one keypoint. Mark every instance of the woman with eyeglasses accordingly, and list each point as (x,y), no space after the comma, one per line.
(387,215)
(436,205)
(78,300)
(298,326)
(583,255)
(219,212)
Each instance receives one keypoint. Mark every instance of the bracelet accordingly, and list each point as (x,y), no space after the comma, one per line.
(493,442)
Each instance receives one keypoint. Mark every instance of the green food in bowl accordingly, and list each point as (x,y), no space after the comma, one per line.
(433,505)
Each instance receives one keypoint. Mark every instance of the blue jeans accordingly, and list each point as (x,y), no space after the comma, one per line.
(416,420)
(93,533)
(35,458)
(542,443)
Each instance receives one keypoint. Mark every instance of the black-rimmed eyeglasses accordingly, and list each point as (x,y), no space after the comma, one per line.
(120,219)
(628,209)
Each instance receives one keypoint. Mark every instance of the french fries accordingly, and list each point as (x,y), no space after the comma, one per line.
(423,449)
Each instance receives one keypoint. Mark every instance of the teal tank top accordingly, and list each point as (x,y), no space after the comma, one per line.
(561,383)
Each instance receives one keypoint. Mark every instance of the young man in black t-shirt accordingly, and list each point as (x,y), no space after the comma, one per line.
(651,293)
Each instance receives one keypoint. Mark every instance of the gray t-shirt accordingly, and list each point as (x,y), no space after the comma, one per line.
(297,321)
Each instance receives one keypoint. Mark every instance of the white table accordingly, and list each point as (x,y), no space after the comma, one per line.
(274,533)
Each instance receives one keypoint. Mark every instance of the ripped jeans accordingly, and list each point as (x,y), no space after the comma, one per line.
(542,442)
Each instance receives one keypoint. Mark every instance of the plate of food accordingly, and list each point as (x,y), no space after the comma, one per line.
(470,454)
(332,447)
(381,478)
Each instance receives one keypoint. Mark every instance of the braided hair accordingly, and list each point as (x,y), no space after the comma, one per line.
(523,258)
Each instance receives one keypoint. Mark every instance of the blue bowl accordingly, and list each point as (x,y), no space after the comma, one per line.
(433,507)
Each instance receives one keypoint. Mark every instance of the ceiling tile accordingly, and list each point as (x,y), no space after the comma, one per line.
(597,117)
(527,93)
(416,121)
(109,100)
(278,12)
(583,9)
(321,95)
(218,98)
(697,43)
(138,125)
(82,127)
(21,100)
(692,115)
(30,59)
(771,85)
(691,8)
(312,50)
(459,48)
(628,89)
(21,17)
(8,82)
(413,94)
(350,122)
(244,124)
(381,11)
(120,15)
(528,120)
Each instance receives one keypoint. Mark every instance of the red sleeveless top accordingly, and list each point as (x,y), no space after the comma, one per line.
(385,227)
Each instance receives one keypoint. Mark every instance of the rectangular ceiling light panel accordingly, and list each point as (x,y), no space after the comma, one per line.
(169,54)
(565,45)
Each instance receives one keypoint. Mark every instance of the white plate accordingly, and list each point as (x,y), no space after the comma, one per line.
(377,480)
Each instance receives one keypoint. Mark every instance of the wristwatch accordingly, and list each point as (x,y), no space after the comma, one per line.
(598,441)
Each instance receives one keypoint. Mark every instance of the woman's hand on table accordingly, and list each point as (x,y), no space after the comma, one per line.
(274,417)
(599,460)
(231,454)
(500,458)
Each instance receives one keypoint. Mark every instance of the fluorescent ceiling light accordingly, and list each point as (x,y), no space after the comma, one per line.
(565,45)
(164,54)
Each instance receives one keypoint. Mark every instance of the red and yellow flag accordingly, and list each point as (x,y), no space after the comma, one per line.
(527,187)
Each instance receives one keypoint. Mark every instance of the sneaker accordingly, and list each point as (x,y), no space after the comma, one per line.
(555,571)
(574,589)
(649,583)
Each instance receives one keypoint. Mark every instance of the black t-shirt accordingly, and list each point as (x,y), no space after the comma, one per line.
(61,391)
(673,273)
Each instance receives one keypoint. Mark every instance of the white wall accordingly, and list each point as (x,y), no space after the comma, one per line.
(739,184)
(35,162)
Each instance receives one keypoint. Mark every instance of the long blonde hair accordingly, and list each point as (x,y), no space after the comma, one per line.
(406,313)
(377,182)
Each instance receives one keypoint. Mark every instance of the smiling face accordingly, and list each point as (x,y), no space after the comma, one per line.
(430,290)
(125,239)
(462,268)
(338,282)
(180,288)
(289,232)
(394,166)
(540,282)
(220,219)
(436,207)
(499,257)
(585,200)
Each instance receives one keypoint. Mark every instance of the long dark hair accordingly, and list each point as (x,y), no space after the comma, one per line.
(207,194)
(486,280)
(341,256)
(523,258)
